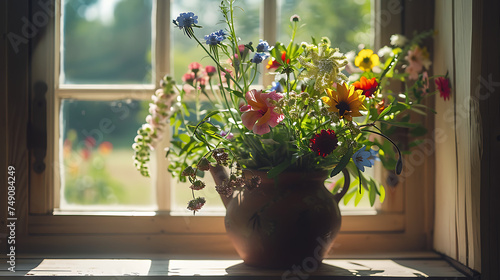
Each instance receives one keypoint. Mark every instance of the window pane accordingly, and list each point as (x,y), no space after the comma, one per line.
(185,50)
(181,193)
(97,156)
(106,42)
(346,23)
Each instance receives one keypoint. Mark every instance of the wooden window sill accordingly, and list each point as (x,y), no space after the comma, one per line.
(401,266)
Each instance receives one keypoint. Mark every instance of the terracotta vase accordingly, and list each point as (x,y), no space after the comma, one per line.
(283,222)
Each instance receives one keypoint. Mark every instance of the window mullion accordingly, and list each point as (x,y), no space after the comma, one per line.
(162,66)
(106,94)
(268,30)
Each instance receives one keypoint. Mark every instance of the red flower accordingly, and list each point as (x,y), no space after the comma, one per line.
(210,70)
(368,86)
(283,58)
(324,143)
(443,84)
(274,64)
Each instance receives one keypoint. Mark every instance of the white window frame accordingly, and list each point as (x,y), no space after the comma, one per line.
(389,230)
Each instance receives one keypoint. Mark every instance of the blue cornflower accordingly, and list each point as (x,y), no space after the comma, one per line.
(211,39)
(186,20)
(277,87)
(362,158)
(259,57)
(215,38)
(221,34)
(263,46)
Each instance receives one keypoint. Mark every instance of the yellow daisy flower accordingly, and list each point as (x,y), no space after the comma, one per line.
(366,60)
(347,102)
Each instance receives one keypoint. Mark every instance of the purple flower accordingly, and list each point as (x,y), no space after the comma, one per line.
(227,135)
(221,34)
(215,38)
(259,57)
(186,20)
(263,46)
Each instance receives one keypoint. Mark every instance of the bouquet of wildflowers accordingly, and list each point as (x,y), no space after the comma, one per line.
(325,111)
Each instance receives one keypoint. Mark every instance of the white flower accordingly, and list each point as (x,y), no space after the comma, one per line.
(385,51)
(350,56)
(398,40)
(148,128)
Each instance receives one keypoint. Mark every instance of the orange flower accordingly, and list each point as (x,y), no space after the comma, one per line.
(105,148)
(368,86)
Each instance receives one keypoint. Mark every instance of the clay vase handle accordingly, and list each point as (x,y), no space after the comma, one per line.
(347,182)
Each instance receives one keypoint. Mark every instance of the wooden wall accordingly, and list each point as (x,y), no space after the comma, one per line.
(467,133)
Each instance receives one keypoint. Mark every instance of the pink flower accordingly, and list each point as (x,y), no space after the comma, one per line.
(188,77)
(210,70)
(262,113)
(202,81)
(227,135)
(418,59)
(224,73)
(443,84)
(195,66)
(241,48)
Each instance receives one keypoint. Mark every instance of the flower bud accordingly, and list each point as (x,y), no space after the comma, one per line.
(188,171)
(204,164)
(197,185)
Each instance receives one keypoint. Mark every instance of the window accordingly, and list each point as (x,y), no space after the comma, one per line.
(110,101)
(108,46)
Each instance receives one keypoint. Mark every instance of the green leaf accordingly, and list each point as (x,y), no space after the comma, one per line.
(338,185)
(418,131)
(237,93)
(418,111)
(184,138)
(424,107)
(343,162)
(382,194)
(393,62)
(385,112)
(372,192)
(349,196)
(401,124)
(187,146)
(210,114)
(359,196)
